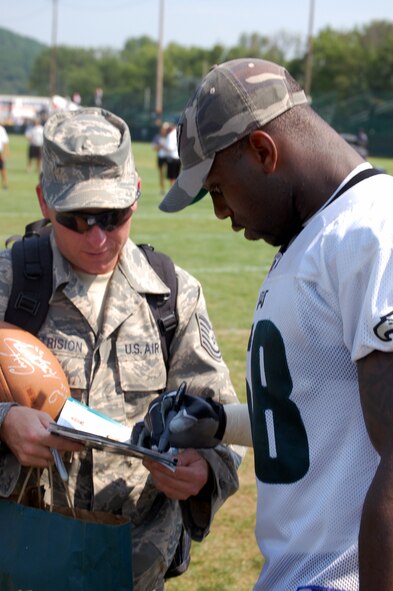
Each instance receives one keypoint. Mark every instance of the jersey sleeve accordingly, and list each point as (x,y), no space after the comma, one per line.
(364,280)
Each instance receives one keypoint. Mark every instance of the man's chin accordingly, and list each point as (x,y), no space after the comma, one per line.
(268,238)
(252,236)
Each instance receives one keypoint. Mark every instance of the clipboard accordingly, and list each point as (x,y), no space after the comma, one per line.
(124,448)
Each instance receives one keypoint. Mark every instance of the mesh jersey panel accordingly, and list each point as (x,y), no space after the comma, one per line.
(315,316)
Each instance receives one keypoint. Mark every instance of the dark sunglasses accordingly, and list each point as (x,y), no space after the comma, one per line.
(79,221)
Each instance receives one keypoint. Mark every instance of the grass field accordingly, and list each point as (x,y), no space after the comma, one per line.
(231,270)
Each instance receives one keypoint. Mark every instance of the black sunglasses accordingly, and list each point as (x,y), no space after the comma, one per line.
(79,221)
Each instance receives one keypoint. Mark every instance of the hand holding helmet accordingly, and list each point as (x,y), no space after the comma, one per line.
(177,419)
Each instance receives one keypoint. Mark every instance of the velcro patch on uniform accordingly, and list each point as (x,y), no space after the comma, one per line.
(208,340)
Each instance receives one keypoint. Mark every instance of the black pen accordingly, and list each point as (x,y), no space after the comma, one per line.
(164,439)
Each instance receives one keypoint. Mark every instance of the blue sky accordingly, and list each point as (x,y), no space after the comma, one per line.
(108,23)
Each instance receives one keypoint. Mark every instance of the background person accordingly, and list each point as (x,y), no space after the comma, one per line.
(362,140)
(158,144)
(319,361)
(98,96)
(35,136)
(110,347)
(4,153)
(172,154)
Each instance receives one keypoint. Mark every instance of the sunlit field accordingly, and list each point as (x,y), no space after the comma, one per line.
(231,270)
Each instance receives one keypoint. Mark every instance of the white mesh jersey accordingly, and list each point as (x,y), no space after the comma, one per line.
(320,309)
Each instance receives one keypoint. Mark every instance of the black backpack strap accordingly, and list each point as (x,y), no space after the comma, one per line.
(39,227)
(32,264)
(163,308)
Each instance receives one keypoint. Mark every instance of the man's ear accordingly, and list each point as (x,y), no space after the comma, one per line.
(41,201)
(265,148)
(134,206)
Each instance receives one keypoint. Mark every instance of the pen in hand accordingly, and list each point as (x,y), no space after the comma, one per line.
(163,443)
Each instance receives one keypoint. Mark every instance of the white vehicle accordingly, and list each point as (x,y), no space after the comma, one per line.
(18,110)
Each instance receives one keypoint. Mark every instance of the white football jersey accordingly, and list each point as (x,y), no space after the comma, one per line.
(325,303)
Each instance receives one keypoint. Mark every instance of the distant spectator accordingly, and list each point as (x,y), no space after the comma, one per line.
(159,145)
(173,160)
(35,136)
(4,152)
(76,98)
(99,93)
(362,140)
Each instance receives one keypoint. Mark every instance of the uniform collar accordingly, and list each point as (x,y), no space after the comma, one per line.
(138,271)
(133,265)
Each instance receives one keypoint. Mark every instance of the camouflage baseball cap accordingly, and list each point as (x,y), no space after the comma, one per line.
(234,98)
(87,161)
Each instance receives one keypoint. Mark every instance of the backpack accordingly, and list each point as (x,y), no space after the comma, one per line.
(32,283)
(32,262)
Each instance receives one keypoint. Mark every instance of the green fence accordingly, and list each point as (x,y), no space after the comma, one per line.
(372,113)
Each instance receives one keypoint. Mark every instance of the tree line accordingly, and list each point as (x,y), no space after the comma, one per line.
(359,60)
(352,73)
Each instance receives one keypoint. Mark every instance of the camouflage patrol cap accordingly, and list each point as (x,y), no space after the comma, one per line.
(235,98)
(87,161)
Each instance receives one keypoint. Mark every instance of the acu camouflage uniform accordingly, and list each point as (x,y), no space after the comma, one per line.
(118,369)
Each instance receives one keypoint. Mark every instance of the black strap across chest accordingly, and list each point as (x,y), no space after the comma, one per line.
(32,264)
(360,176)
(357,178)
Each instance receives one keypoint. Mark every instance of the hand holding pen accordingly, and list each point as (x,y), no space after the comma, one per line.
(175,405)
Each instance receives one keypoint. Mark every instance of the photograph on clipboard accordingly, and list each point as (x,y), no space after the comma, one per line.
(110,445)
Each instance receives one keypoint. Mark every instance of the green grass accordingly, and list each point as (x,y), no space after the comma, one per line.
(231,270)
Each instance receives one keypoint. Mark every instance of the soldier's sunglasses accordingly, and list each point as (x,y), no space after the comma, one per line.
(79,221)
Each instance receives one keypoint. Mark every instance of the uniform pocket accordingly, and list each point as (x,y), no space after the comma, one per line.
(141,365)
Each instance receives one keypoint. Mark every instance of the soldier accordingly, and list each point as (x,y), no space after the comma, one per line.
(100,327)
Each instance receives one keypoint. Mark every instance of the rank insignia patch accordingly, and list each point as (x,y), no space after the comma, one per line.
(208,340)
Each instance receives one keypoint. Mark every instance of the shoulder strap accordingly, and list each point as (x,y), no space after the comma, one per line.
(32,264)
(360,176)
(32,281)
(163,308)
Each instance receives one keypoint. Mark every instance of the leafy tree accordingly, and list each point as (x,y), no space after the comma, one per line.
(77,71)
(378,41)
(338,63)
(352,72)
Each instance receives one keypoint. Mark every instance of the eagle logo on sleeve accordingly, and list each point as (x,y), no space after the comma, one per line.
(384,329)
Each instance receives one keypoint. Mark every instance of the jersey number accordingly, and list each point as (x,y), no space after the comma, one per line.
(280,441)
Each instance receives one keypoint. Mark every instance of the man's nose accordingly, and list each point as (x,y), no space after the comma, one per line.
(96,235)
(221,210)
